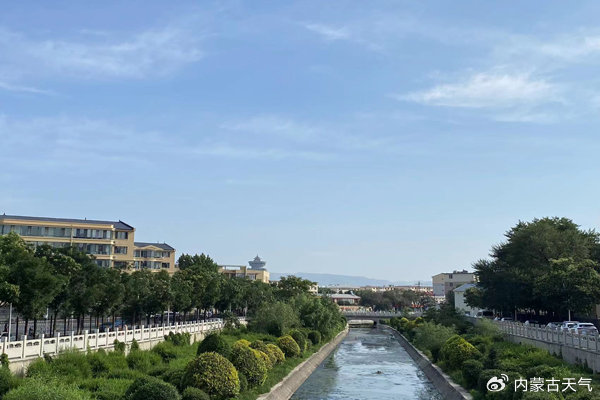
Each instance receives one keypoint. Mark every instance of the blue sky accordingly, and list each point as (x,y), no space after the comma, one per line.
(393,140)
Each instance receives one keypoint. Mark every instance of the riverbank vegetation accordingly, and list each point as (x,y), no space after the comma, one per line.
(287,324)
(472,354)
(239,363)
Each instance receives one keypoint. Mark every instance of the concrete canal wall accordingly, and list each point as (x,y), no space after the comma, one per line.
(286,388)
(442,382)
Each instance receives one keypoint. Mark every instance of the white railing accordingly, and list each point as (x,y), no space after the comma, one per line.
(551,335)
(373,313)
(32,348)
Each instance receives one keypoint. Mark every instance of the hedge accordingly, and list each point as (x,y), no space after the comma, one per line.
(166,351)
(288,345)
(250,362)
(214,374)
(142,361)
(150,388)
(215,343)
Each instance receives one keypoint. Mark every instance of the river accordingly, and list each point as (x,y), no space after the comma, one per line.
(368,364)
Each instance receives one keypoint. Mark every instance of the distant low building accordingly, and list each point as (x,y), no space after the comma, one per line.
(255,272)
(314,289)
(446,282)
(345,299)
(460,303)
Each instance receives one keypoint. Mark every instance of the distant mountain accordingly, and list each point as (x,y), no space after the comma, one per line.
(343,280)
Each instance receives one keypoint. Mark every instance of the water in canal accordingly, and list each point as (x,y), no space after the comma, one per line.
(368,364)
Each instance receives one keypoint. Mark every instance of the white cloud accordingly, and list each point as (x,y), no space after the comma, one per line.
(144,54)
(328,32)
(488,90)
(23,89)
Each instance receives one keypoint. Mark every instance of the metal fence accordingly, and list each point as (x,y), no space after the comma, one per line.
(32,348)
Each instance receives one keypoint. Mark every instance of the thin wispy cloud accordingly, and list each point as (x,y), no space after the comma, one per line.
(488,90)
(154,52)
(23,89)
(328,32)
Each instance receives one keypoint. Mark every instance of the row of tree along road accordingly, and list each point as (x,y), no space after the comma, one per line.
(64,283)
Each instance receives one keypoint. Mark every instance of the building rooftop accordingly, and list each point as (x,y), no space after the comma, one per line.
(117,224)
(465,287)
(344,296)
(163,246)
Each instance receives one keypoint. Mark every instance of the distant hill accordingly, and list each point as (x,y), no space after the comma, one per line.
(343,280)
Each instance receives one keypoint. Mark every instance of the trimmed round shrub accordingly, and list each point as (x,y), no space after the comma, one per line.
(250,362)
(266,359)
(456,351)
(142,361)
(166,351)
(275,353)
(7,381)
(150,388)
(288,345)
(315,337)
(259,345)
(214,374)
(471,370)
(242,342)
(262,347)
(42,389)
(300,338)
(215,343)
(192,393)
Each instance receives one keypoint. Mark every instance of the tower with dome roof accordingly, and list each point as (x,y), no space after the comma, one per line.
(257,263)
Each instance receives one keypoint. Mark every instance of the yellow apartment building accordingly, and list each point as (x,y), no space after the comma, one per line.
(111,243)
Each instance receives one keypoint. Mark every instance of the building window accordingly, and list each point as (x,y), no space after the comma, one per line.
(121,235)
(120,249)
(166,265)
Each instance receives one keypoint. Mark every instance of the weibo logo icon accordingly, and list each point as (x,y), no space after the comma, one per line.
(496,384)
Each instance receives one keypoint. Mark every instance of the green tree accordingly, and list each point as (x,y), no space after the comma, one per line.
(508,279)
(290,286)
(569,286)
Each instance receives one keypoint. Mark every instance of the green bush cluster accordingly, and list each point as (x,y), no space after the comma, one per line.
(192,393)
(300,338)
(456,351)
(7,381)
(142,361)
(165,350)
(150,388)
(275,353)
(44,389)
(214,374)
(249,362)
(214,342)
(179,339)
(288,345)
(315,337)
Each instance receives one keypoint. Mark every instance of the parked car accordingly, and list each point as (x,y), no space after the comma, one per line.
(584,328)
(119,324)
(506,319)
(553,325)
(566,325)
(532,322)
